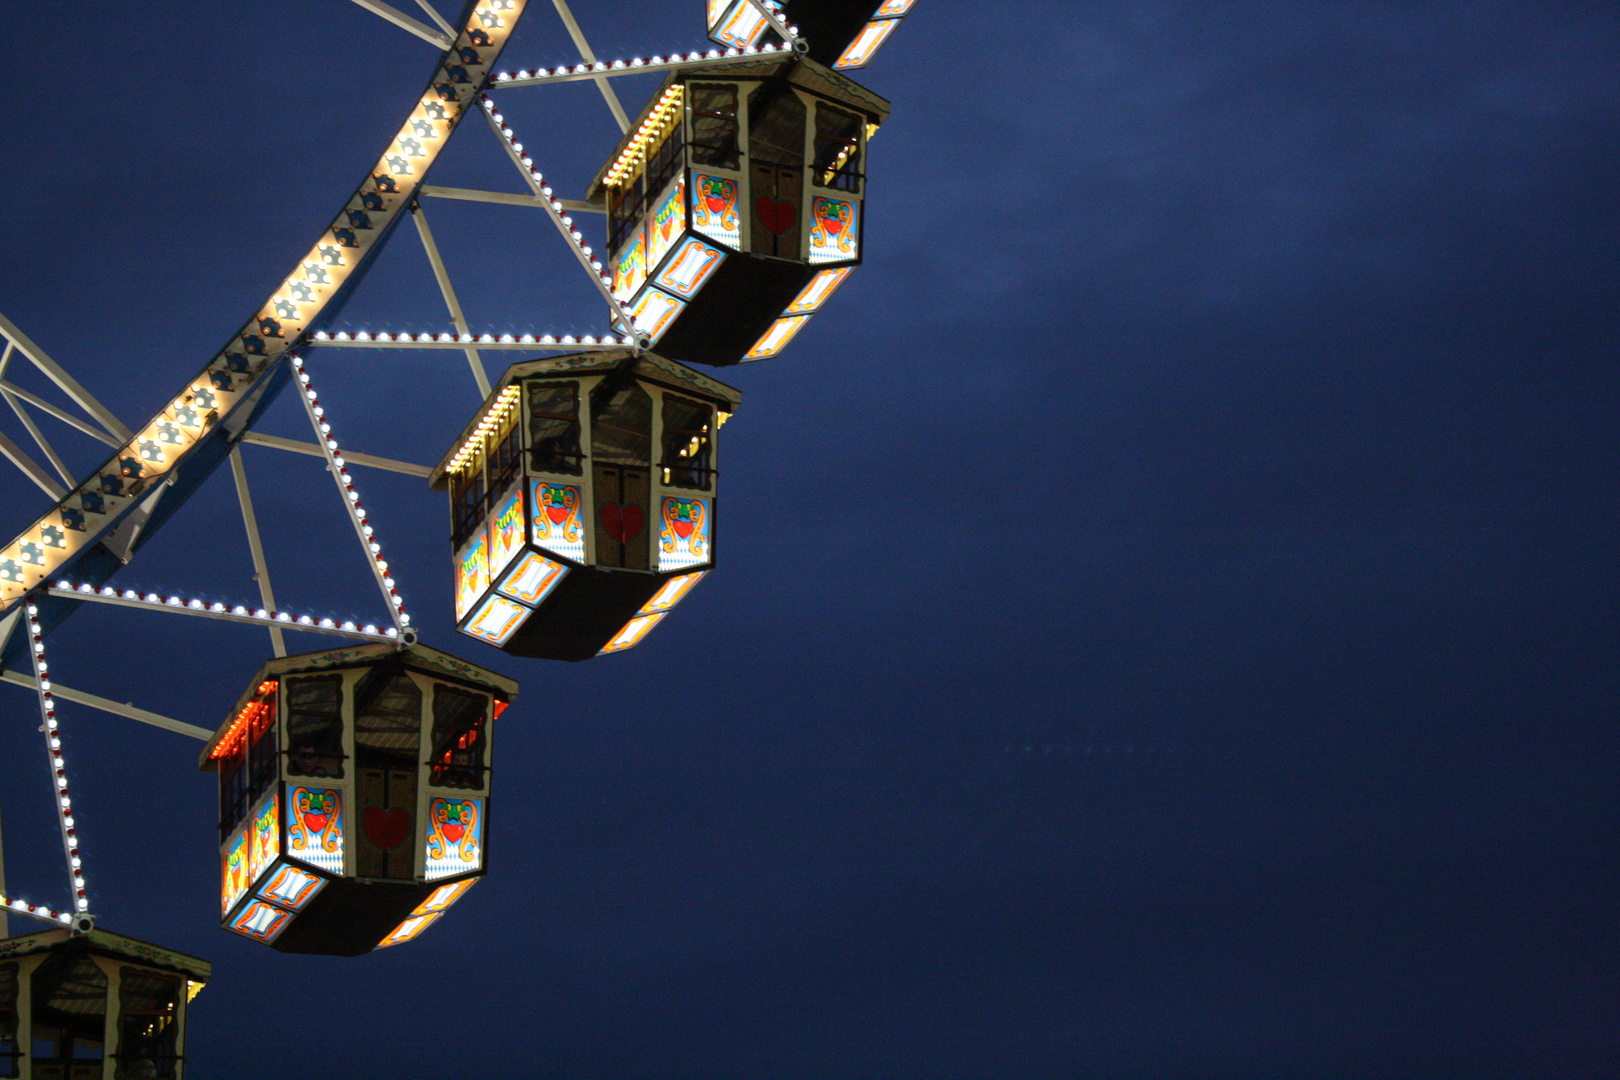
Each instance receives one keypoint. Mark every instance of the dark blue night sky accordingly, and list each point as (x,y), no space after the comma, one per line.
(1165,620)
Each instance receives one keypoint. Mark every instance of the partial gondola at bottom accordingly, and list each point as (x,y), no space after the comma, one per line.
(94,1006)
(583,501)
(354,795)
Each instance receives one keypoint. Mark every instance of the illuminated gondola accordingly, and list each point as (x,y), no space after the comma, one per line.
(735,205)
(354,795)
(842,34)
(583,501)
(94,1005)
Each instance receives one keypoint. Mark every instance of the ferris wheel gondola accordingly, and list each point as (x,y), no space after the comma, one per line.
(635,458)
(583,501)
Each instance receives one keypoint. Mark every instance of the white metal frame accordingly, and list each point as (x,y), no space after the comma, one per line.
(97,422)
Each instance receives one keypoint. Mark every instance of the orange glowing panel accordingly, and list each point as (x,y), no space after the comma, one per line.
(745,27)
(291,887)
(472,573)
(260,921)
(264,837)
(818,292)
(497,620)
(532,579)
(866,44)
(506,529)
(409,929)
(233,867)
(777,337)
(654,311)
(445,895)
(634,630)
(674,590)
(690,267)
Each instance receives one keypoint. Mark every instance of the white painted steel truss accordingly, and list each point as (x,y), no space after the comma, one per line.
(112,504)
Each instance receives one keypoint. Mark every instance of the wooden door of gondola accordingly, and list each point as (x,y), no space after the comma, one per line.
(777,192)
(621,515)
(388,823)
(776,125)
(387,745)
(621,475)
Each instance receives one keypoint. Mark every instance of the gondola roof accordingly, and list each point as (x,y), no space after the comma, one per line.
(649,366)
(801,71)
(351,656)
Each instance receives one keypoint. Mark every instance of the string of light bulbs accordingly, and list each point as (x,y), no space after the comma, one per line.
(53,748)
(345,482)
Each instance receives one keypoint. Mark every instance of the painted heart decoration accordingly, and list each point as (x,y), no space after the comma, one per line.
(453,831)
(830,216)
(315,823)
(777,217)
(683,529)
(714,202)
(386,828)
(622,523)
(557,514)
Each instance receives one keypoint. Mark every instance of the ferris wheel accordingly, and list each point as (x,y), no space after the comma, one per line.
(583,493)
